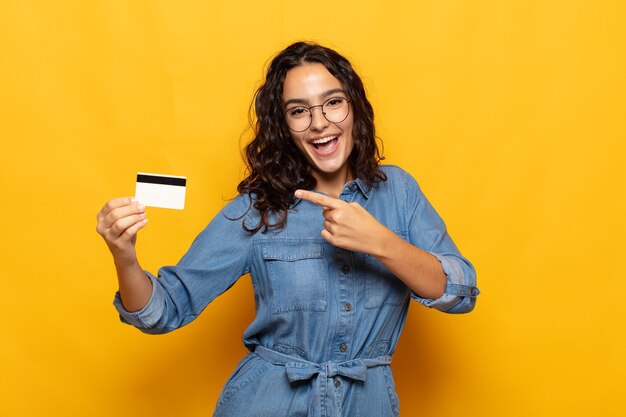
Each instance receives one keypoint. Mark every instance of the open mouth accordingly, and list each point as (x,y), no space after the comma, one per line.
(325,145)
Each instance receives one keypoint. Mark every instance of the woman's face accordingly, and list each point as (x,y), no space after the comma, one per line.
(326,145)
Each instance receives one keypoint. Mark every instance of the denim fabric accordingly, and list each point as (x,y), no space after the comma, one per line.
(329,316)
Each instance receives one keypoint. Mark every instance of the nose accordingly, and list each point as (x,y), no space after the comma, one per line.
(318,120)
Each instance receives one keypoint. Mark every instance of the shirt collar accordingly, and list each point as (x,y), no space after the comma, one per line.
(362,186)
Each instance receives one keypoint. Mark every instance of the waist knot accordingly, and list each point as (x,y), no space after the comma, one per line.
(298,369)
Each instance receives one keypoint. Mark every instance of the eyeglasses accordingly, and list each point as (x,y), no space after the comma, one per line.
(335,110)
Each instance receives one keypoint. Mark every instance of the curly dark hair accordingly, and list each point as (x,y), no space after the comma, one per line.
(275,166)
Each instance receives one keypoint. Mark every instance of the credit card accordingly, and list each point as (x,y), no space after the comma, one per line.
(158,190)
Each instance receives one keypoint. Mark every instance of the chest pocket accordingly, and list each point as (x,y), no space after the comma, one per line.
(297,275)
(381,286)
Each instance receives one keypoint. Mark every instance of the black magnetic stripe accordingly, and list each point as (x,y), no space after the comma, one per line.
(155,179)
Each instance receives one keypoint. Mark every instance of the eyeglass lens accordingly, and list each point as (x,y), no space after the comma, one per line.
(335,110)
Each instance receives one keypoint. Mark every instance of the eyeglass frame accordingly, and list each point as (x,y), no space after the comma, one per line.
(348,101)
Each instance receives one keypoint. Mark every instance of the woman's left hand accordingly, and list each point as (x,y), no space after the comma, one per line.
(348,225)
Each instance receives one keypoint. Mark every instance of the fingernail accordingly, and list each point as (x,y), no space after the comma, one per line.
(133,200)
(140,206)
(298,193)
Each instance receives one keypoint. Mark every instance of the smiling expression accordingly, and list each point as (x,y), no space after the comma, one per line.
(326,145)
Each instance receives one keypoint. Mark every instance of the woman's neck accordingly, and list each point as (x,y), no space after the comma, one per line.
(332,184)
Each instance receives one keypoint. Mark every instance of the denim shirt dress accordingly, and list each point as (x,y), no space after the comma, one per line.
(327,319)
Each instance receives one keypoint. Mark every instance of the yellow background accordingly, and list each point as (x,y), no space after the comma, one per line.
(509,113)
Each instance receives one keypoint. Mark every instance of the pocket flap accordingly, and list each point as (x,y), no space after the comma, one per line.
(291,251)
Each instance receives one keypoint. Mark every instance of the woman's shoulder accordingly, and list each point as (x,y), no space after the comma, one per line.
(242,205)
(396,175)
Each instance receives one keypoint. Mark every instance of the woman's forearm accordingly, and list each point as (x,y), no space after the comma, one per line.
(134,285)
(419,270)
(118,223)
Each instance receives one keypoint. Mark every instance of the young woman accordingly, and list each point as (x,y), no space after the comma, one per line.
(335,243)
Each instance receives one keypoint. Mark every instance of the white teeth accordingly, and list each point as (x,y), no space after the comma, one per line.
(323,140)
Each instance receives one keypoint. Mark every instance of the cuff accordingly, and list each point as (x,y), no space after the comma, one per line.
(460,293)
(149,315)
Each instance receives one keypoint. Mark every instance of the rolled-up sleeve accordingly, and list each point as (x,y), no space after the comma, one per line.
(428,231)
(217,258)
(148,316)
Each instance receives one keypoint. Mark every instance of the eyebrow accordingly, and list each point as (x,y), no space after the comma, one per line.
(322,96)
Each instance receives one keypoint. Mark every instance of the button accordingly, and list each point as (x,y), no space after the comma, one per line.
(473,292)
(343,347)
(345,269)
(348,306)
(352,186)
(337,383)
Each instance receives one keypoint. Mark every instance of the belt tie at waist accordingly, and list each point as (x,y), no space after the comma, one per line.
(354,369)
(298,369)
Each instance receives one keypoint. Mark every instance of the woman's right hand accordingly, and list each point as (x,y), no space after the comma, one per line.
(118,223)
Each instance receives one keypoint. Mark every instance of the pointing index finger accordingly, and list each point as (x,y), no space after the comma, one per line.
(319,199)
